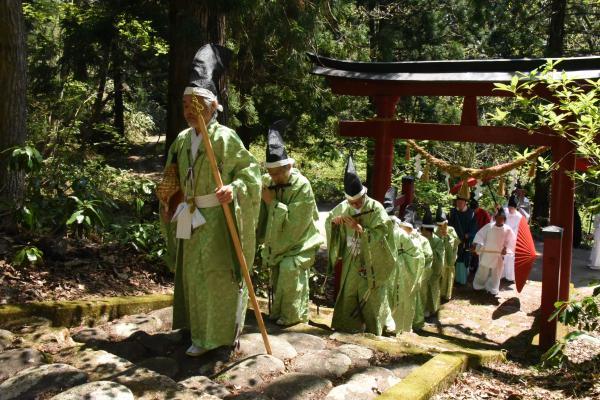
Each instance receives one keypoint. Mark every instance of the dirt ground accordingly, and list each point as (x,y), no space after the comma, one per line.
(510,322)
(76,270)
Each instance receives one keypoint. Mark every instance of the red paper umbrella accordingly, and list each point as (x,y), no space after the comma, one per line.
(524,254)
(471,181)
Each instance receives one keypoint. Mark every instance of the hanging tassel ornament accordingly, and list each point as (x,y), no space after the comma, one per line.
(501,187)
(532,170)
(426,173)
(407,153)
(465,192)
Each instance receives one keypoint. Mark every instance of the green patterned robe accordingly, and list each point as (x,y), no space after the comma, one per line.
(450,251)
(422,281)
(365,280)
(208,283)
(288,227)
(437,265)
(409,259)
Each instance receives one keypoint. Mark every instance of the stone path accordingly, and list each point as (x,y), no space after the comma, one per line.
(141,357)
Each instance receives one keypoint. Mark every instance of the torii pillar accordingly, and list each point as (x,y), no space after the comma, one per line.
(562,208)
(384,145)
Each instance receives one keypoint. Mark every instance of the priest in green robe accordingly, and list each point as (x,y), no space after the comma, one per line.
(409,257)
(288,230)
(432,290)
(358,234)
(450,239)
(210,297)
(422,281)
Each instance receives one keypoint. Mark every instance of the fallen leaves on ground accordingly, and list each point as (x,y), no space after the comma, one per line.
(513,381)
(87,270)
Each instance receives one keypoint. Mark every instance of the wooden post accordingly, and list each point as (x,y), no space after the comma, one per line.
(384,161)
(470,114)
(566,212)
(408,193)
(384,147)
(551,266)
(232,227)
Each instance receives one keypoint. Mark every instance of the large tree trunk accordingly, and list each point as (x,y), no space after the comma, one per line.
(192,24)
(13,106)
(556,30)
(102,78)
(554,48)
(119,105)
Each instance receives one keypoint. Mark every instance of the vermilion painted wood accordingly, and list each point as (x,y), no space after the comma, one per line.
(470,115)
(384,147)
(566,189)
(550,272)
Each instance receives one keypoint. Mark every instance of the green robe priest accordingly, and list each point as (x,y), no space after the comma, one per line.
(210,297)
(450,238)
(409,258)
(432,303)
(288,226)
(422,281)
(358,234)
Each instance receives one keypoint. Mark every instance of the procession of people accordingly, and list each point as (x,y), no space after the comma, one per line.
(394,269)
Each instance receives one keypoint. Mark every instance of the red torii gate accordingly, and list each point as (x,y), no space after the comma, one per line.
(385,83)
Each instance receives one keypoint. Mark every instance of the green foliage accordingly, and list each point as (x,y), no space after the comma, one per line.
(584,315)
(144,238)
(87,214)
(138,125)
(26,159)
(432,193)
(140,33)
(570,110)
(74,50)
(28,255)
(28,218)
(271,77)
(86,196)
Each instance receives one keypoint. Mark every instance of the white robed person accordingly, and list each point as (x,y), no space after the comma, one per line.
(514,213)
(492,243)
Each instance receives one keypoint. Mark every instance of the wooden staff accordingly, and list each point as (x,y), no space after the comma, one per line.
(231,224)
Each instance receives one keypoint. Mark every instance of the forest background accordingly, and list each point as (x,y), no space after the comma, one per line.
(80,153)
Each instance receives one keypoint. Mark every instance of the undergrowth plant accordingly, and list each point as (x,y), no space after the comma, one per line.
(584,316)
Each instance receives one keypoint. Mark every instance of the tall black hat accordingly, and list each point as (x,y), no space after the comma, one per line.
(473,203)
(440,216)
(512,201)
(427,219)
(389,200)
(353,188)
(276,154)
(209,64)
(500,212)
